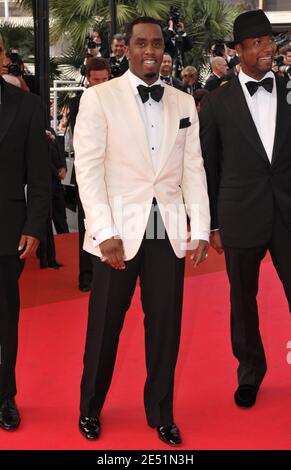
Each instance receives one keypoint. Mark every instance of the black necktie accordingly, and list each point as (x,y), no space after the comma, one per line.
(267,83)
(156,92)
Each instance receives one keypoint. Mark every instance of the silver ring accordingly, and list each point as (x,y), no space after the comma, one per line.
(103,259)
(206,255)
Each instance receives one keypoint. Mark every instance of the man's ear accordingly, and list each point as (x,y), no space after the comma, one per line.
(126,51)
(238,49)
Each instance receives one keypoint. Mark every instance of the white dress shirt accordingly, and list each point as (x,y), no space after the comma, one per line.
(153,117)
(263,108)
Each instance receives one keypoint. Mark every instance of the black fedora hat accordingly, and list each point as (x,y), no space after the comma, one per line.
(251,24)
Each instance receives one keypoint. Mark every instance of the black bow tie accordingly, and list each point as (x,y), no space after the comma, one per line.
(156,92)
(165,79)
(267,83)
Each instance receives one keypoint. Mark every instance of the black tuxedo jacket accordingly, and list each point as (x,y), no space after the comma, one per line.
(212,82)
(244,187)
(23,161)
(176,83)
(123,66)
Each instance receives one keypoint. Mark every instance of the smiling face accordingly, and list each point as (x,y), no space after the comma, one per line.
(118,47)
(145,51)
(256,55)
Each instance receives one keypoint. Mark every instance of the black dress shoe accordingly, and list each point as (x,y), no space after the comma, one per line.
(85,287)
(89,427)
(170,434)
(9,415)
(245,396)
(55,265)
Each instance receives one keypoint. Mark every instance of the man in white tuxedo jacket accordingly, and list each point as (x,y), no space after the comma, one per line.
(139,170)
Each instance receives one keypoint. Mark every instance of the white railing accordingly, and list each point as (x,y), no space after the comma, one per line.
(59,87)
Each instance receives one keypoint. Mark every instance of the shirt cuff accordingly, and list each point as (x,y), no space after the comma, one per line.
(200,236)
(105,234)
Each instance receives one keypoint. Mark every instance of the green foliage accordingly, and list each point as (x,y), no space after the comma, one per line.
(19,37)
(206,21)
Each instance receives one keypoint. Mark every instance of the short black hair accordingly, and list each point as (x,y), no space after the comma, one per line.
(140,20)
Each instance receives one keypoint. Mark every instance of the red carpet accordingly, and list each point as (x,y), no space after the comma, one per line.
(52,331)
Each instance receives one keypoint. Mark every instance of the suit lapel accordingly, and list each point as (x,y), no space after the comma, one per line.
(283,119)
(131,108)
(240,113)
(9,107)
(171,125)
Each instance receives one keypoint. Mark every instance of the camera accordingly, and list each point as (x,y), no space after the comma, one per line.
(218,49)
(14,68)
(279,61)
(174,16)
(286,70)
(90,43)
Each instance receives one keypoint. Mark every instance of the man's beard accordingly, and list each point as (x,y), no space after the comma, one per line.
(150,75)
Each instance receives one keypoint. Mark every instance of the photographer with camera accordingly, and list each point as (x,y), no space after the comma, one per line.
(176,40)
(95,47)
(118,60)
(13,66)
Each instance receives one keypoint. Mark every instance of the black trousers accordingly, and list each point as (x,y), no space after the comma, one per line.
(161,276)
(59,215)
(85,260)
(243,267)
(10,270)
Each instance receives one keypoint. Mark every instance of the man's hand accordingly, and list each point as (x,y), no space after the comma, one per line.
(200,254)
(23,84)
(62,173)
(30,244)
(181,27)
(4,70)
(113,253)
(171,24)
(215,241)
(50,136)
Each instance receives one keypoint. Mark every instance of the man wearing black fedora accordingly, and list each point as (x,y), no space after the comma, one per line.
(249,174)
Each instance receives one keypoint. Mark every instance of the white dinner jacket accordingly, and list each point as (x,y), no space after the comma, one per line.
(116,178)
